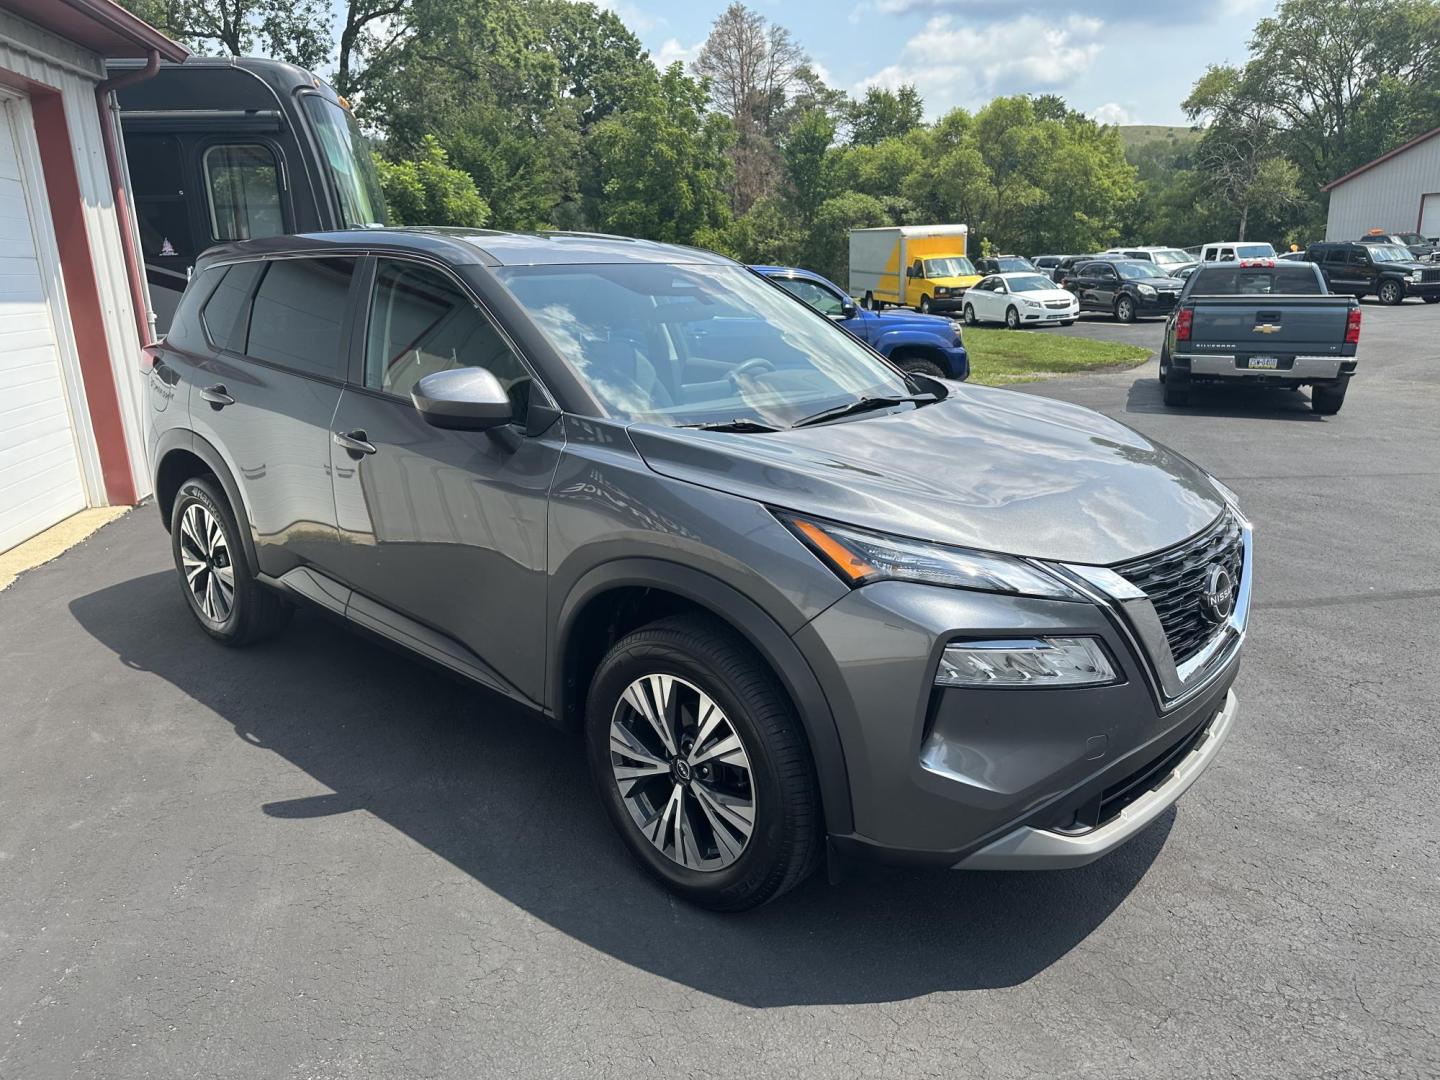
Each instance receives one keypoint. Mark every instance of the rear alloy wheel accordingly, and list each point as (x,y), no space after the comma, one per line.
(223,595)
(1391,292)
(925,305)
(701,765)
(1125,309)
(970,319)
(1012,318)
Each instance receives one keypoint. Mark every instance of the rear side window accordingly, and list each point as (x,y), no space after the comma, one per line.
(298,315)
(242,182)
(1298,280)
(221,313)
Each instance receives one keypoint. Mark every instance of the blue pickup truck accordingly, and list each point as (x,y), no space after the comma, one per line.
(927,344)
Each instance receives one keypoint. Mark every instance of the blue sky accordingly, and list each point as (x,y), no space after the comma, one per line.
(1123,61)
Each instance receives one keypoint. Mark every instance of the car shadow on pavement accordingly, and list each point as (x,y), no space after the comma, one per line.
(507,800)
(1271,403)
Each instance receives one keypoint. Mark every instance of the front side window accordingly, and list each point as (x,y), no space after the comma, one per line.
(421,322)
(817,296)
(242,182)
(1359,257)
(298,314)
(696,343)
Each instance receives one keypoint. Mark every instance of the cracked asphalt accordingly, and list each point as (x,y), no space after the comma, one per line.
(318,859)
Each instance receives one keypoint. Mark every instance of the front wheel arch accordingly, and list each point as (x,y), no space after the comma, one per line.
(673,587)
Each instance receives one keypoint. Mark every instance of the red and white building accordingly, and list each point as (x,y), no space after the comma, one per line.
(73,306)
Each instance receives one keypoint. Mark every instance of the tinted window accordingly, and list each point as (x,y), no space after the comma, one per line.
(1358,257)
(221,313)
(157,183)
(1334,255)
(243,185)
(817,296)
(1256,281)
(422,322)
(298,314)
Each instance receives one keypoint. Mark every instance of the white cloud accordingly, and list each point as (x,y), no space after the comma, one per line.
(638,21)
(1112,112)
(965,64)
(671,50)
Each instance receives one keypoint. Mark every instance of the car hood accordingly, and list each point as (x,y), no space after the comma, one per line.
(1046,294)
(1162,282)
(934,324)
(1407,265)
(992,469)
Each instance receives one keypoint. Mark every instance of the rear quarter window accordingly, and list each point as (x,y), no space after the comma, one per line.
(221,315)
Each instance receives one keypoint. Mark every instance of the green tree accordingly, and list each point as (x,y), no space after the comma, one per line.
(804,151)
(661,164)
(603,66)
(430,191)
(293,30)
(884,114)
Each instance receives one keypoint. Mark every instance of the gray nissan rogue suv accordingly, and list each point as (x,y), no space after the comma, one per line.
(798,603)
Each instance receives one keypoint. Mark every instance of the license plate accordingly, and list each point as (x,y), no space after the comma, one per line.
(1268,363)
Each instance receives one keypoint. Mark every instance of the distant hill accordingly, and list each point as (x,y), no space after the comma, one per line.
(1140,134)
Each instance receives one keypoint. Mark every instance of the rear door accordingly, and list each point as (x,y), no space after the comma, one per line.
(446,528)
(266,393)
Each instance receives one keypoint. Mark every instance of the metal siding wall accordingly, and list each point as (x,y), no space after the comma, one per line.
(33,54)
(1386,197)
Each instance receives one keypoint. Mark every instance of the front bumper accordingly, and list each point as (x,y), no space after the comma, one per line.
(1160,304)
(954,302)
(943,776)
(1030,848)
(957,363)
(1050,315)
(1422,288)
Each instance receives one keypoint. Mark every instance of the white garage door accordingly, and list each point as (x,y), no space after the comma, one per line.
(1430,215)
(40,478)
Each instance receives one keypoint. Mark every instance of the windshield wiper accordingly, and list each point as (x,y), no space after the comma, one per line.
(732,425)
(864,404)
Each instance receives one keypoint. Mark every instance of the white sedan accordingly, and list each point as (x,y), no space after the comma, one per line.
(1020,299)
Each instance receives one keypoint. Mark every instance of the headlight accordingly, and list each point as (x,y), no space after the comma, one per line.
(1229,496)
(1034,304)
(859,557)
(1416,275)
(942,290)
(1029,662)
(1146,290)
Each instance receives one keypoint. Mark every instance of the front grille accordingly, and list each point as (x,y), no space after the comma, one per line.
(1058,305)
(1175,580)
(1429,275)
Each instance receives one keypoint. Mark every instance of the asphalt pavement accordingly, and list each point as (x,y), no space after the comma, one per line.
(319,859)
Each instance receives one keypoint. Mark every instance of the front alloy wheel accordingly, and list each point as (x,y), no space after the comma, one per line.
(1392,292)
(682,772)
(1125,309)
(1012,319)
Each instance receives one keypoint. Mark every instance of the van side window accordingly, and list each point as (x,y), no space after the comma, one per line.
(422,322)
(242,182)
(298,315)
(221,313)
(157,182)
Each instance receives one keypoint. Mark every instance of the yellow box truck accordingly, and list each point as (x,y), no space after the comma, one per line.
(918,266)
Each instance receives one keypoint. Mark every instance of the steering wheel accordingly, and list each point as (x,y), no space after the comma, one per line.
(756,365)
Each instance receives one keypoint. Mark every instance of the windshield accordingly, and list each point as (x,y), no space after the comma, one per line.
(347,155)
(1410,238)
(697,343)
(955,266)
(1173,257)
(1254,251)
(1390,253)
(1030,283)
(1137,270)
(1012,263)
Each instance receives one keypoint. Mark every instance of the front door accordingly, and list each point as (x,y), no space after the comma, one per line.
(447,528)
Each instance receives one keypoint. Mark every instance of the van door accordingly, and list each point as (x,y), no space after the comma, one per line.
(915,284)
(266,394)
(443,528)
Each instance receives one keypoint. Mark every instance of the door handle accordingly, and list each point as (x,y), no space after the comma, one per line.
(354,443)
(217,397)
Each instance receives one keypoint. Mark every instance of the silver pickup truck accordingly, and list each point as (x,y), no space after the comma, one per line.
(1263,322)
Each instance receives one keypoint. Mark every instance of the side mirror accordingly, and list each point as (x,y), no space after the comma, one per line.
(463,399)
(910,271)
(848,310)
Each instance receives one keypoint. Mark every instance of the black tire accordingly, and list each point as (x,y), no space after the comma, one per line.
(869,301)
(970,319)
(1012,319)
(1067,322)
(924,308)
(787,838)
(1125,309)
(1432,298)
(1176,391)
(1391,292)
(1164,363)
(922,367)
(254,611)
(1326,399)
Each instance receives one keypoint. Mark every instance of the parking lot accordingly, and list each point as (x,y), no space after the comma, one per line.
(317,858)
